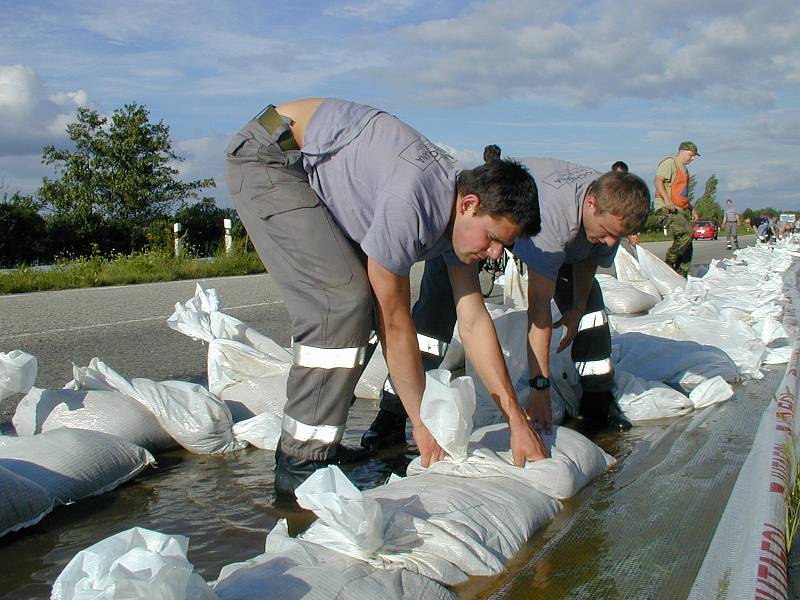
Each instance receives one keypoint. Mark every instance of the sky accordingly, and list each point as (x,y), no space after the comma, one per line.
(587,81)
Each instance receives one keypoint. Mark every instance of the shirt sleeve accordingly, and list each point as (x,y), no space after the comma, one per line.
(666,169)
(545,259)
(396,237)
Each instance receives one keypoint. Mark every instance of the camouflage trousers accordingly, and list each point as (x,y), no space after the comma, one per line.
(679,226)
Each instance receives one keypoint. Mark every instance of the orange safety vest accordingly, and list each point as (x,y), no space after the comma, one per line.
(679,190)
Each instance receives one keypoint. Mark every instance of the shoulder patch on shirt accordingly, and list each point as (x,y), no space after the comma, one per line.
(422,154)
(557,179)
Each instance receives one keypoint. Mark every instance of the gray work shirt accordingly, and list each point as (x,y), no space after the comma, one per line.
(388,187)
(562,186)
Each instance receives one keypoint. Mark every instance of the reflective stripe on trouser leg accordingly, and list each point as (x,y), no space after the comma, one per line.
(321,279)
(591,348)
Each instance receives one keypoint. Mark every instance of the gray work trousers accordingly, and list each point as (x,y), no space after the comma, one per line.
(731,235)
(322,279)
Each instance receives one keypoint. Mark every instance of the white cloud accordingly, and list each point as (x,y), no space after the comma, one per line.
(30,115)
(371,10)
(780,125)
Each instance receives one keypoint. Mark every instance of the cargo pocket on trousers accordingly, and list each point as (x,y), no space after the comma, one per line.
(233,169)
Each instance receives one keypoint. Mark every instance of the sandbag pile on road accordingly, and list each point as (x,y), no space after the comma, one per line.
(465,516)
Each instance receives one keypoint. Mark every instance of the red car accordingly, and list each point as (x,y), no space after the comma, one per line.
(704,230)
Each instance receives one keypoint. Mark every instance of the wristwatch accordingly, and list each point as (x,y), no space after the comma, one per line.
(540,382)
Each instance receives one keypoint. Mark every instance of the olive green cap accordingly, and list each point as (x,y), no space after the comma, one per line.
(689,146)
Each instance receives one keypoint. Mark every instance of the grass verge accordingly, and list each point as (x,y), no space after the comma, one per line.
(144,267)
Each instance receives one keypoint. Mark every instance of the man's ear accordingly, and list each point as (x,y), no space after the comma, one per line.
(590,201)
(467,203)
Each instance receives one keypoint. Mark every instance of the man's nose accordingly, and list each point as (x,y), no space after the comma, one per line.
(495,250)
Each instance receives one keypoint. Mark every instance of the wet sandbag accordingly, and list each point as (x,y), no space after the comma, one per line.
(22,502)
(193,416)
(621,298)
(657,271)
(293,568)
(137,563)
(641,400)
(684,364)
(72,464)
(109,412)
(17,372)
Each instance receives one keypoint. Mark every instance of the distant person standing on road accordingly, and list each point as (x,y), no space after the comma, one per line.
(730,221)
(673,207)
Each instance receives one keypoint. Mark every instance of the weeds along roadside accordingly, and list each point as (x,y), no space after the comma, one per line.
(139,267)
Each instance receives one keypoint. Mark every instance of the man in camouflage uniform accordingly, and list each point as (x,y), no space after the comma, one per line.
(673,207)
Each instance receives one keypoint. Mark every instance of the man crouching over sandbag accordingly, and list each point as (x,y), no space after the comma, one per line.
(583,216)
(340,200)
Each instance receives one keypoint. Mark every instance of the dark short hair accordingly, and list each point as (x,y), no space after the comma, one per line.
(624,195)
(491,152)
(619,166)
(506,189)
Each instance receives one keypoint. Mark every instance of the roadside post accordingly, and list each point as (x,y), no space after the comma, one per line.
(176,229)
(228,237)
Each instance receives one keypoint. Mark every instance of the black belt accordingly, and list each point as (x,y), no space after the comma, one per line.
(274,124)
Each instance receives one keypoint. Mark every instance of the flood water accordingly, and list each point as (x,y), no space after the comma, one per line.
(223,503)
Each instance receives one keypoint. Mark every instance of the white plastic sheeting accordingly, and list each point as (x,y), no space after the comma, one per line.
(60,467)
(137,563)
(17,372)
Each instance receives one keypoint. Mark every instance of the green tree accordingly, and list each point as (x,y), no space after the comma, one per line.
(120,171)
(707,206)
(692,186)
(23,231)
(203,225)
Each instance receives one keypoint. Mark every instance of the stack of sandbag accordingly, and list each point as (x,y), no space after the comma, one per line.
(658,272)
(61,466)
(188,412)
(467,515)
(247,370)
(17,373)
(464,516)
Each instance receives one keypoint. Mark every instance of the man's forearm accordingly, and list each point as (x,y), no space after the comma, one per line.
(485,355)
(403,359)
(540,331)
(582,282)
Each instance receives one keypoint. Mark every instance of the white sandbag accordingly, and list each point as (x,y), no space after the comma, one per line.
(574,461)
(712,391)
(294,568)
(684,364)
(515,287)
(262,431)
(627,270)
(641,400)
(137,563)
(447,409)
(349,522)
(109,412)
(17,372)
(621,298)
(196,419)
(22,502)
(71,464)
(662,276)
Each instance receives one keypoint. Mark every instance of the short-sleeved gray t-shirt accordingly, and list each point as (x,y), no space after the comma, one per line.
(389,189)
(562,186)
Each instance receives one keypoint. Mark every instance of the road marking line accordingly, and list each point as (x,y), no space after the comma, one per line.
(128,322)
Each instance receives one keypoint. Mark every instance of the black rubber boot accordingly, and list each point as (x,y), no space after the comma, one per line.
(387,430)
(616,420)
(600,410)
(291,471)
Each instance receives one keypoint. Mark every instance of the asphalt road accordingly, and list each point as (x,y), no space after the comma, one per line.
(126,326)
